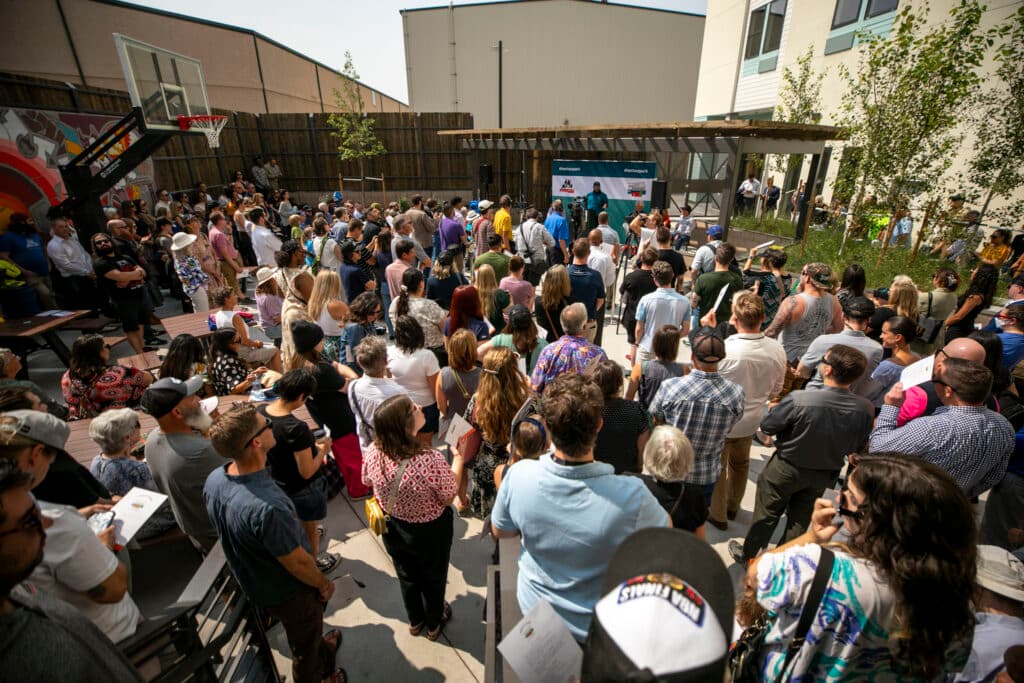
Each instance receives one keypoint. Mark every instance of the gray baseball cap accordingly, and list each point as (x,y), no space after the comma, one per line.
(164,395)
(41,427)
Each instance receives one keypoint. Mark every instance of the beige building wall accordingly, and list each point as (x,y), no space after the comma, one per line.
(807,23)
(37,45)
(566,62)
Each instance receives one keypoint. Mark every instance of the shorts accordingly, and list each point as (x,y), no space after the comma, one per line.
(432,416)
(257,356)
(134,313)
(311,502)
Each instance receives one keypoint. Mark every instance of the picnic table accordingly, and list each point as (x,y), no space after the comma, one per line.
(83,449)
(196,324)
(148,361)
(16,333)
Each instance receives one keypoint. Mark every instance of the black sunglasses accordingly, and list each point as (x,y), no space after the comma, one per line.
(30,521)
(265,427)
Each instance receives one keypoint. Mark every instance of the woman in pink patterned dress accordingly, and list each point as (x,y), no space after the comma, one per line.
(92,385)
(419,526)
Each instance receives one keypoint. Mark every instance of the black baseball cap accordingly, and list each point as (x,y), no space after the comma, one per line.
(707,344)
(666,613)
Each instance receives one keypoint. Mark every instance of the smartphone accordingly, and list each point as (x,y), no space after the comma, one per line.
(832,495)
(100,520)
(319,434)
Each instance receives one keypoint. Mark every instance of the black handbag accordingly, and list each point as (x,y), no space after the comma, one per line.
(745,653)
(928,328)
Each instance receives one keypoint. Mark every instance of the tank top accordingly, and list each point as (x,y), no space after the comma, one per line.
(223,319)
(654,373)
(797,336)
(328,324)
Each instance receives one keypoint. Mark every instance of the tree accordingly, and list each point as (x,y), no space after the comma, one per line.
(996,168)
(352,127)
(799,102)
(903,103)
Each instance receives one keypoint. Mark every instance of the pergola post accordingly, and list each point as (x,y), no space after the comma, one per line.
(732,173)
(803,212)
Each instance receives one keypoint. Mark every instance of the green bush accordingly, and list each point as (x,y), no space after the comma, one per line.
(823,247)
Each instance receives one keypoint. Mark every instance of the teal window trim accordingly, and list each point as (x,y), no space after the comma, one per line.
(850,35)
(764,62)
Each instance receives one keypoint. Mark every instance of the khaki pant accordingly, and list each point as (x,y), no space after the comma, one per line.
(732,483)
(230,279)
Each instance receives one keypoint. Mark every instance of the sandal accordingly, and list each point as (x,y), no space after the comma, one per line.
(333,639)
(337,676)
(446,616)
(417,629)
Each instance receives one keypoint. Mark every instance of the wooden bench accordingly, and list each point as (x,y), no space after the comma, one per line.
(91,325)
(502,610)
(111,342)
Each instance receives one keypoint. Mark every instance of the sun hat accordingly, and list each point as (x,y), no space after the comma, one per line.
(182,240)
(1000,572)
(263,274)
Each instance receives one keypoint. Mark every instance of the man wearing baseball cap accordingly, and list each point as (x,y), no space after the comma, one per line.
(666,613)
(704,259)
(703,405)
(180,455)
(78,564)
(1000,613)
(857,314)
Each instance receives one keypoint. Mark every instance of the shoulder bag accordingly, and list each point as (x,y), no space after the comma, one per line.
(534,269)
(376,516)
(745,655)
(928,328)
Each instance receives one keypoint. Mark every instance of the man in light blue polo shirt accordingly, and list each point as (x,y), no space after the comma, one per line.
(663,306)
(571,512)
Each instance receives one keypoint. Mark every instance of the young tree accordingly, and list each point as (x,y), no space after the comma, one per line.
(997,166)
(352,127)
(799,101)
(903,103)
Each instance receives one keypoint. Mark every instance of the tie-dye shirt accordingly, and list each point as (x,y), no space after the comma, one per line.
(849,638)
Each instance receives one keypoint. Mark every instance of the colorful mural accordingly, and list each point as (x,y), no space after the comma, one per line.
(32,145)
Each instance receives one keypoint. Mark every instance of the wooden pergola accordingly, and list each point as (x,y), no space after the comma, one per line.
(730,138)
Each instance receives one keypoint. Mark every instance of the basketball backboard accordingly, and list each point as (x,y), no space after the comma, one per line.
(164,84)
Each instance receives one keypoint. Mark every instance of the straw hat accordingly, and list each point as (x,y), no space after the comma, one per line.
(182,240)
(263,274)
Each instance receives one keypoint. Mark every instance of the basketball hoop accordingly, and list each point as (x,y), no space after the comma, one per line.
(209,125)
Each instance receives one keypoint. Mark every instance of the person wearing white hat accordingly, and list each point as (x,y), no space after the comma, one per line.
(269,303)
(194,279)
(1000,613)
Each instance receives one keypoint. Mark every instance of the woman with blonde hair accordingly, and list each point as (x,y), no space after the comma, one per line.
(502,391)
(556,294)
(327,310)
(903,301)
(493,301)
(668,460)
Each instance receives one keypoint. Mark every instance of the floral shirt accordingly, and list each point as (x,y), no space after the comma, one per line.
(113,387)
(227,373)
(191,274)
(426,488)
(568,354)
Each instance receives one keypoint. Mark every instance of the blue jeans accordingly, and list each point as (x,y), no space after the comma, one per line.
(680,241)
(385,296)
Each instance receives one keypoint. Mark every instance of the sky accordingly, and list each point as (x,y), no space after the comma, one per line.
(322,29)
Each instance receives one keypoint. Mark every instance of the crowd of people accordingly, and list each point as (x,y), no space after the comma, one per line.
(393,328)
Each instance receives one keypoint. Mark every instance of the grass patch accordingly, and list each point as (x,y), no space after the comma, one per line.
(823,247)
(767,224)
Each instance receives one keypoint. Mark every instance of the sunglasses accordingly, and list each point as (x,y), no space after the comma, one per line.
(265,427)
(842,511)
(32,520)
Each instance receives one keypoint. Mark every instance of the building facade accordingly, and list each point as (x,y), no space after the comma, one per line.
(71,41)
(748,44)
(563,62)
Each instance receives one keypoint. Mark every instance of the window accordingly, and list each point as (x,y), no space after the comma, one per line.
(764,32)
(754,32)
(773,26)
(847,12)
(877,7)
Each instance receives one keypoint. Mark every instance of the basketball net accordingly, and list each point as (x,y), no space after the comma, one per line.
(209,125)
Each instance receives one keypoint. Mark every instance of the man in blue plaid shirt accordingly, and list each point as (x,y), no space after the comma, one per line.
(704,406)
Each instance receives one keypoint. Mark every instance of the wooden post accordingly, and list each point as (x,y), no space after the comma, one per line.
(384,189)
(886,236)
(341,185)
(806,206)
(920,233)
